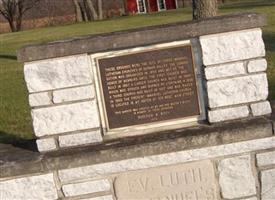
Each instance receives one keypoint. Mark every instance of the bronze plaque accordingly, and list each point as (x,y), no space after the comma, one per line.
(149,86)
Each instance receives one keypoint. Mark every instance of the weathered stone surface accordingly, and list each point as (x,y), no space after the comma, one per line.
(86,187)
(258,65)
(65,118)
(74,94)
(268,184)
(57,73)
(193,180)
(236,178)
(40,99)
(227,114)
(224,70)
(237,90)
(250,198)
(141,162)
(108,197)
(262,108)
(264,159)
(80,138)
(142,36)
(34,187)
(232,46)
(47,144)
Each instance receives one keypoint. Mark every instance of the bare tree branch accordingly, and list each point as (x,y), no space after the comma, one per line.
(14,10)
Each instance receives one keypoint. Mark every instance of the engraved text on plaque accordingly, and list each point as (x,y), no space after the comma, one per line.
(149,86)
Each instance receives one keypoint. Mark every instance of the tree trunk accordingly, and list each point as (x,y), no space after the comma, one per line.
(12,27)
(100,11)
(78,13)
(19,23)
(92,9)
(204,8)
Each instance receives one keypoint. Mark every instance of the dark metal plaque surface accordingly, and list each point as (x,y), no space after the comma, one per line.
(149,86)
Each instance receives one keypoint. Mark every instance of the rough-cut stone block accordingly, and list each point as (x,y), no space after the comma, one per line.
(98,170)
(232,46)
(225,70)
(108,197)
(57,73)
(193,180)
(228,114)
(237,90)
(264,159)
(74,94)
(80,138)
(259,65)
(86,187)
(34,187)
(250,198)
(268,184)
(262,108)
(236,178)
(65,118)
(47,144)
(40,99)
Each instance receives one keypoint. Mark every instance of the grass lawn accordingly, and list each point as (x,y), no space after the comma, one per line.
(15,119)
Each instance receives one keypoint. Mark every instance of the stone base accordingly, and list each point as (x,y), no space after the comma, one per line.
(231,161)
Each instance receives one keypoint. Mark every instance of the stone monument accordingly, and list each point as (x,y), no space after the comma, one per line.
(169,112)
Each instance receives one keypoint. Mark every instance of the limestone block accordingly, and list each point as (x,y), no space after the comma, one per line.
(65,118)
(47,144)
(80,138)
(34,187)
(108,197)
(40,99)
(74,94)
(224,70)
(250,198)
(57,73)
(258,65)
(262,108)
(237,90)
(228,114)
(236,178)
(124,165)
(268,184)
(232,46)
(264,159)
(86,187)
(193,181)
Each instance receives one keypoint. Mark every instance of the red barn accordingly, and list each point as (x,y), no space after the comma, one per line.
(145,6)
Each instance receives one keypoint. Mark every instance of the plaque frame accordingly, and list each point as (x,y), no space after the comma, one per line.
(152,126)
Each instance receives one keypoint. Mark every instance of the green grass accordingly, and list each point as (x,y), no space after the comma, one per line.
(15,120)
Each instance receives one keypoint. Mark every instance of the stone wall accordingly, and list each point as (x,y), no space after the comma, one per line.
(235,71)
(237,164)
(62,89)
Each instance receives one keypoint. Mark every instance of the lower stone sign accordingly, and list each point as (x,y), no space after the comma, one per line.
(149,86)
(195,181)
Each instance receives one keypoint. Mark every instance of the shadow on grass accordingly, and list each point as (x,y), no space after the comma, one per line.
(17,142)
(10,57)
(269,40)
(247,4)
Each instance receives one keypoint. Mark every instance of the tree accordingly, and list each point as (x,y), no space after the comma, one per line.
(50,9)
(88,10)
(14,10)
(204,8)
